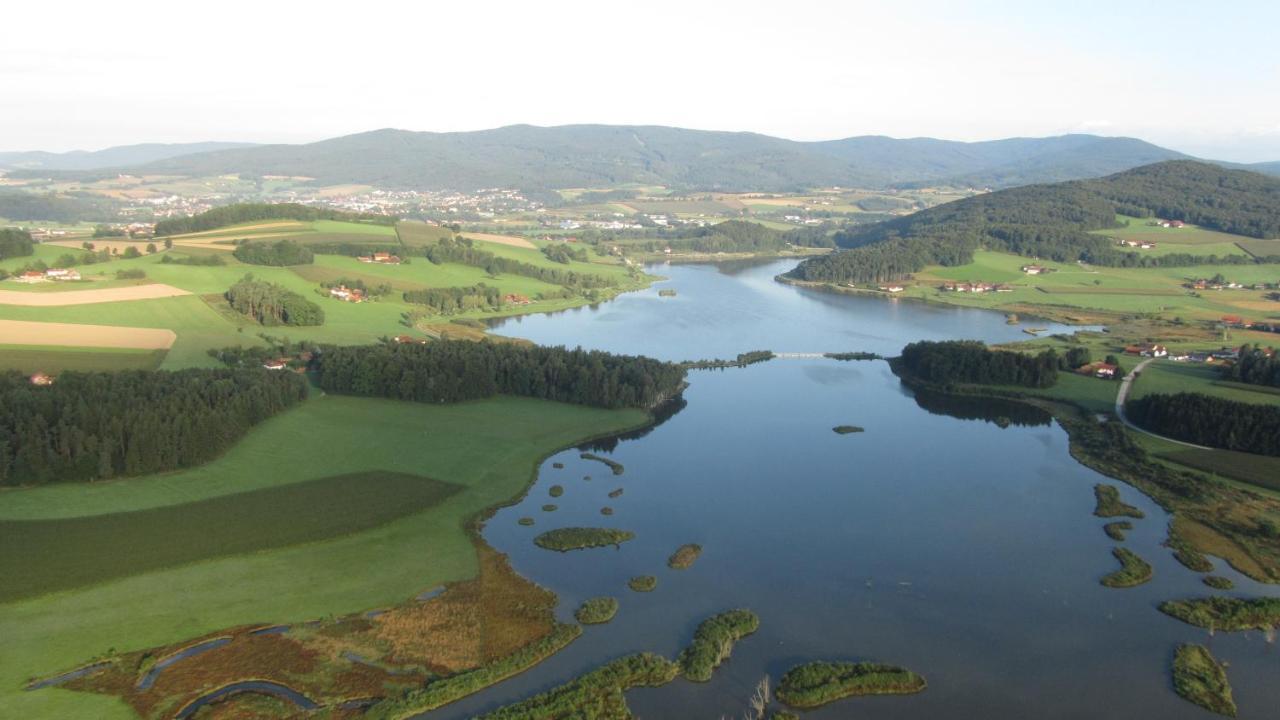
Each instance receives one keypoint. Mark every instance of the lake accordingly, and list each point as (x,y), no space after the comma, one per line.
(936,540)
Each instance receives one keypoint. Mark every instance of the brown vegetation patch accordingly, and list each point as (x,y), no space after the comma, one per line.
(511,240)
(472,622)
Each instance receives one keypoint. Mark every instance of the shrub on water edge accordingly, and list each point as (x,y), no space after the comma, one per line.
(1110,504)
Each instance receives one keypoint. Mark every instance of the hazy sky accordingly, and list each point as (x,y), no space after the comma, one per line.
(1200,77)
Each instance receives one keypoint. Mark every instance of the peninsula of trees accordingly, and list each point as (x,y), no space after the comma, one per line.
(965,361)
(457,370)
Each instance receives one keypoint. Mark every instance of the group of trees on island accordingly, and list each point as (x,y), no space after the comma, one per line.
(271,304)
(457,370)
(452,300)
(1212,421)
(280,253)
(462,251)
(15,243)
(238,213)
(968,361)
(94,426)
(1255,367)
(1055,221)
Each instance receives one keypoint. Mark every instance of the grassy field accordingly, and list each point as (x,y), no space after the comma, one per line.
(1114,290)
(489,448)
(81,551)
(203,321)
(1166,376)
(1201,239)
(37,358)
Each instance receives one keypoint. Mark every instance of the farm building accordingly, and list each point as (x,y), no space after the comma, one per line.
(346,294)
(41,379)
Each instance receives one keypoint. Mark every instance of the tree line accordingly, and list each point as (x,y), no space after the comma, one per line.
(220,217)
(99,425)
(457,370)
(564,254)
(968,361)
(462,251)
(271,304)
(1212,421)
(1255,367)
(451,300)
(15,243)
(280,253)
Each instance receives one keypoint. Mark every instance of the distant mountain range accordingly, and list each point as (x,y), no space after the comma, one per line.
(112,157)
(529,157)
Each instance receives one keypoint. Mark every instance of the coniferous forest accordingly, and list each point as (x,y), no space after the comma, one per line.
(968,361)
(1206,420)
(455,370)
(94,426)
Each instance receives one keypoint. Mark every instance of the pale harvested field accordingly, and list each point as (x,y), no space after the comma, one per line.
(511,240)
(22,332)
(89,297)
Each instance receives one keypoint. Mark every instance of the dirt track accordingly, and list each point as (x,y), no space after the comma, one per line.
(21,332)
(89,297)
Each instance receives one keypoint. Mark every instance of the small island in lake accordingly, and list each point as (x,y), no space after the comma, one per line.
(847,429)
(596,610)
(684,556)
(815,684)
(1201,679)
(713,642)
(643,583)
(616,467)
(1133,570)
(581,538)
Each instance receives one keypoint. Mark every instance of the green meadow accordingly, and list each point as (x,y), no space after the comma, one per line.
(204,321)
(488,448)
(53,359)
(1088,287)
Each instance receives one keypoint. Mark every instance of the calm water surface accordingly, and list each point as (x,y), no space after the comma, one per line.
(937,541)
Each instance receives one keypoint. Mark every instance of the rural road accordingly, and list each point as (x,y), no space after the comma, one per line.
(1123,395)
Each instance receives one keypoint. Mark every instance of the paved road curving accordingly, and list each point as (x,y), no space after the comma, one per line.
(1123,395)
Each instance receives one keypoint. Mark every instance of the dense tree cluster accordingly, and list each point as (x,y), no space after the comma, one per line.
(271,304)
(370,290)
(220,217)
(93,426)
(564,253)
(463,252)
(968,361)
(452,371)
(1206,420)
(15,243)
(1054,222)
(280,253)
(451,300)
(1256,367)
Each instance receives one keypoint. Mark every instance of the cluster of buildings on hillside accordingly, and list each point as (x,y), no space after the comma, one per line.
(1140,244)
(1206,284)
(52,274)
(381,258)
(346,294)
(974,287)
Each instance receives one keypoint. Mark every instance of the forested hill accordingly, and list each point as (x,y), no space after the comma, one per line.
(113,157)
(226,215)
(1053,222)
(531,157)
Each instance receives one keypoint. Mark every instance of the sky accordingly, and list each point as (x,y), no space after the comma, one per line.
(1199,77)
